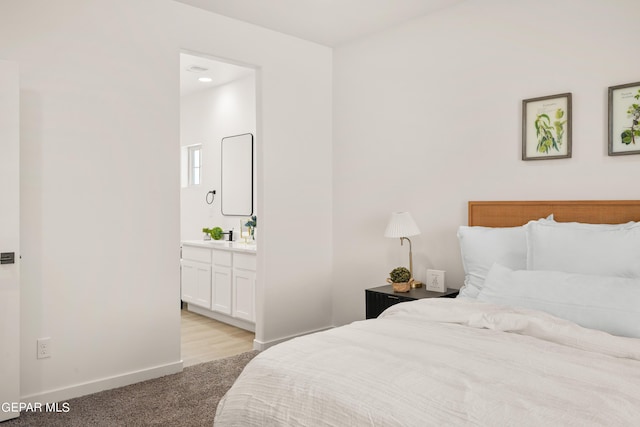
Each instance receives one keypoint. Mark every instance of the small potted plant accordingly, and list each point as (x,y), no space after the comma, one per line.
(215,232)
(252,223)
(400,278)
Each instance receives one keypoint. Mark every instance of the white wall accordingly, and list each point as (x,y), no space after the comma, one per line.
(427,117)
(100,182)
(205,118)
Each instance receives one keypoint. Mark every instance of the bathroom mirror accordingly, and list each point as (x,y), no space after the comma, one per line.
(237,175)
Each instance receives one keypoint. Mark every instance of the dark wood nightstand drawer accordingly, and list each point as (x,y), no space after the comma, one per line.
(380,298)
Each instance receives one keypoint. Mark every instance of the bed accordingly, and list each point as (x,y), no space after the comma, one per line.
(544,333)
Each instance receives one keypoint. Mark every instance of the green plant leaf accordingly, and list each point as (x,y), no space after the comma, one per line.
(216,233)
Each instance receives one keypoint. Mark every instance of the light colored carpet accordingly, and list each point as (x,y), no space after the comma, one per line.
(188,398)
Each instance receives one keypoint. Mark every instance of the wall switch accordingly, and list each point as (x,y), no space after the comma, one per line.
(44,348)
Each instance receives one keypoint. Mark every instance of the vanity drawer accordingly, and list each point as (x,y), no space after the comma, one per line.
(244,261)
(196,254)
(222,258)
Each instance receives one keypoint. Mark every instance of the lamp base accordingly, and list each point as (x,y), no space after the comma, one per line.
(415,284)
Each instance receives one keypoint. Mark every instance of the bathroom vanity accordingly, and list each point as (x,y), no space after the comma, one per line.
(218,280)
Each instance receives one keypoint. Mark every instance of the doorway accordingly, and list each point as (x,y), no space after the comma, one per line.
(10,240)
(217,100)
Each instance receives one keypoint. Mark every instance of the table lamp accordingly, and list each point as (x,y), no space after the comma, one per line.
(402,225)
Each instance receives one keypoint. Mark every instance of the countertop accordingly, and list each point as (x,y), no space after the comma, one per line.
(222,244)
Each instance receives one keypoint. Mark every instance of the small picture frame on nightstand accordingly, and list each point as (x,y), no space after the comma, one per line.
(435,281)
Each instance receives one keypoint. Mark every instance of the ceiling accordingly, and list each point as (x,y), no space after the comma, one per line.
(193,67)
(327,22)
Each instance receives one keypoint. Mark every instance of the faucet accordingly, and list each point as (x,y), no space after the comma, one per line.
(230,233)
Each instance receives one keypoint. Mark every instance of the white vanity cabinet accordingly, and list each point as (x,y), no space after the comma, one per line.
(221,281)
(244,287)
(195,276)
(228,272)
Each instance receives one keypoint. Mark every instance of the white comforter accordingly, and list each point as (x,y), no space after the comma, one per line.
(442,362)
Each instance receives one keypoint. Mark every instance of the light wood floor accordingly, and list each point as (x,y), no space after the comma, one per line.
(204,339)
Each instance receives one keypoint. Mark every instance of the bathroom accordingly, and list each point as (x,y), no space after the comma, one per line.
(218,191)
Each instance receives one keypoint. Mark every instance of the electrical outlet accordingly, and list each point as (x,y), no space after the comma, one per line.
(44,348)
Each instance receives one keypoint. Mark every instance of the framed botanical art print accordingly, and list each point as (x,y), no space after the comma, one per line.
(546,127)
(435,281)
(624,117)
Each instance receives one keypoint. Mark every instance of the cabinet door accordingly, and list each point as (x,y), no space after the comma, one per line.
(244,290)
(221,285)
(196,283)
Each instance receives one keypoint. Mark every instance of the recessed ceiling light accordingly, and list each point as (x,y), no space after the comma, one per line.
(205,79)
(196,69)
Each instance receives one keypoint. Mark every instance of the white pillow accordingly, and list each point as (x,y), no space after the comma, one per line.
(609,304)
(483,246)
(607,250)
(584,225)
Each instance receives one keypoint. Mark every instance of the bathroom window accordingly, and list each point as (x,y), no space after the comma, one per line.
(195,165)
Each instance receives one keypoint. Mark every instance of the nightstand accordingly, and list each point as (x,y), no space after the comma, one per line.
(380,298)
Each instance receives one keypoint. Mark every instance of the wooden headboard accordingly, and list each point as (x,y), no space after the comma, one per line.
(512,214)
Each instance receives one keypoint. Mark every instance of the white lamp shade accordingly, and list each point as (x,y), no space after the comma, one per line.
(401,224)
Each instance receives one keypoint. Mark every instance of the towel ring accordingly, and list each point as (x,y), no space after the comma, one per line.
(213,195)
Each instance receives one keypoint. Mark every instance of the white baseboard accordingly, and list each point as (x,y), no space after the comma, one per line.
(82,389)
(261,346)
